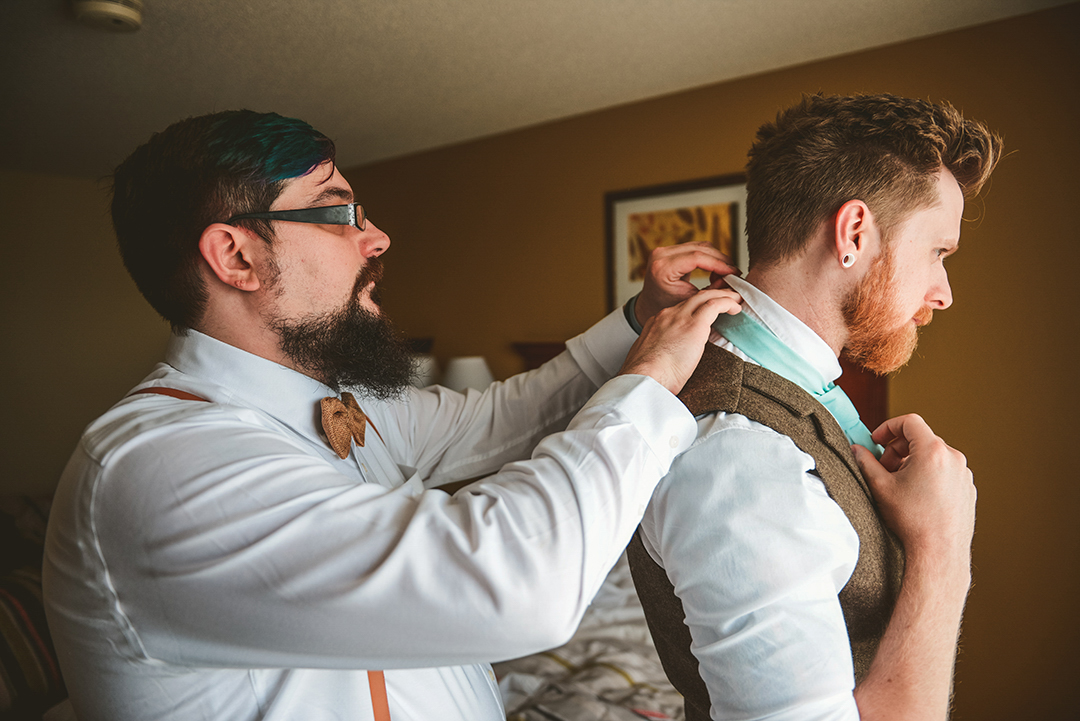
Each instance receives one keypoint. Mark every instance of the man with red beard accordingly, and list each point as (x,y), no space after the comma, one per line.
(243,538)
(771,561)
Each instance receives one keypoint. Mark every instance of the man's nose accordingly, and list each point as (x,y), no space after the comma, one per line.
(940,296)
(373,241)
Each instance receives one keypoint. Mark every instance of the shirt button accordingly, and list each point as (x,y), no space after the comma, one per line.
(674,442)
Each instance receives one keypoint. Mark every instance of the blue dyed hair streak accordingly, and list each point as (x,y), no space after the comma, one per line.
(267,147)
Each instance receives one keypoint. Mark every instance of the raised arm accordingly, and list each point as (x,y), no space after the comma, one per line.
(925,492)
(449,437)
(670,345)
(256,550)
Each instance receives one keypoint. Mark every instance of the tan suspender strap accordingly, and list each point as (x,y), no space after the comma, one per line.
(379,702)
(374,428)
(172,392)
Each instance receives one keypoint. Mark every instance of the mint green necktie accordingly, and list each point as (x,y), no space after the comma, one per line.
(764,348)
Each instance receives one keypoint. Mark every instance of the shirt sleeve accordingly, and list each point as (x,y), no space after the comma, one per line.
(449,436)
(757,553)
(223,543)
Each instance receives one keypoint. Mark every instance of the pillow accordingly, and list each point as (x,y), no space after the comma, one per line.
(30,680)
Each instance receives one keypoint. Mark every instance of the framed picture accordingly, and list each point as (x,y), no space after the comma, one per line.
(638,220)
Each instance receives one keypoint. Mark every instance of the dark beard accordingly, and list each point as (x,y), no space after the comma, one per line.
(351,348)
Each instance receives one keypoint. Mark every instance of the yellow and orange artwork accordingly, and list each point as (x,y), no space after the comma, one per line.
(712,224)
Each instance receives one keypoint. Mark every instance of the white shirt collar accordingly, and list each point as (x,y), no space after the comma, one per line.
(790,330)
(226,374)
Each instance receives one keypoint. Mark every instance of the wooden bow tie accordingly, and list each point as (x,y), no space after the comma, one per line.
(343,422)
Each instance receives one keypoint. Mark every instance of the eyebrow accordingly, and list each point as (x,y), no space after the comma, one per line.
(332,194)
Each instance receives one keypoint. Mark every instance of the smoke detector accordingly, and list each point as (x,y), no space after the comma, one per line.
(115,15)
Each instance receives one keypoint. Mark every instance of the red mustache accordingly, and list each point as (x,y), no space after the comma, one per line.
(924,316)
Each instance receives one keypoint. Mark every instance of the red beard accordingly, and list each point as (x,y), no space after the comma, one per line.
(875,341)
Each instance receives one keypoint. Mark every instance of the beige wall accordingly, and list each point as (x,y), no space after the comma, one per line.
(502,240)
(76,333)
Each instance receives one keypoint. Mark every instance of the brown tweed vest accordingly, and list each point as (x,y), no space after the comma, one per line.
(723,382)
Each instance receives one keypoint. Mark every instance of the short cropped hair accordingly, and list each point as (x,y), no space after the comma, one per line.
(197,172)
(881,149)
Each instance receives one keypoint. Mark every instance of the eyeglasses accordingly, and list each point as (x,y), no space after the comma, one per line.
(352,214)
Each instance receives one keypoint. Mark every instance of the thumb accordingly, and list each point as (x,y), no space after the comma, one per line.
(876,475)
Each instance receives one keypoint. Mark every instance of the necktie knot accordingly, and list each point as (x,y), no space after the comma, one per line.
(343,422)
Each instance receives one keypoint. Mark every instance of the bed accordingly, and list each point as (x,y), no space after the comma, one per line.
(609,671)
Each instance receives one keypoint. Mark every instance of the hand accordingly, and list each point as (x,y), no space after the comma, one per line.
(923,488)
(667,276)
(671,342)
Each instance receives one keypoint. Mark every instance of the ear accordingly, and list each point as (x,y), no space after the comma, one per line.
(228,251)
(855,233)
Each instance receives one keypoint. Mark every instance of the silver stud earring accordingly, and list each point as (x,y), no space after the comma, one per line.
(848,260)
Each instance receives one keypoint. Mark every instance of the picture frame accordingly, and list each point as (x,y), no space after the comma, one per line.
(637,220)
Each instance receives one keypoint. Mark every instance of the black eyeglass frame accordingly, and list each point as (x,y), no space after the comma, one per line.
(350,214)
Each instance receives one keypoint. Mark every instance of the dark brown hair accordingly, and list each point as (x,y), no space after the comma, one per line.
(881,149)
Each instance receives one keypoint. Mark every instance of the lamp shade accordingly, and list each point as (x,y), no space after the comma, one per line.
(467,372)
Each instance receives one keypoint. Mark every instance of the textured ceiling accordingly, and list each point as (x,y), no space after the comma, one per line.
(394,77)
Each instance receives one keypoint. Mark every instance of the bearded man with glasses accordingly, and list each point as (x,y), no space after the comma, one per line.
(254,532)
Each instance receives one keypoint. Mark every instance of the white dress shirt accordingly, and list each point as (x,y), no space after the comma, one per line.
(757,553)
(219,561)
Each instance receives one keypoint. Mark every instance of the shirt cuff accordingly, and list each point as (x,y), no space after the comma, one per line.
(630,311)
(601,350)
